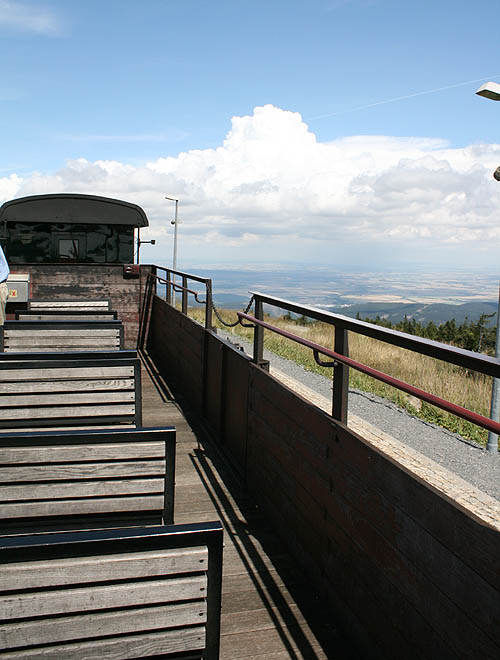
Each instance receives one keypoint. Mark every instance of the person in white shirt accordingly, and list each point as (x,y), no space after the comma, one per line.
(4,291)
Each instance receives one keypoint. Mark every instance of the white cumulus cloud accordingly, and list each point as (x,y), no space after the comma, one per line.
(272,190)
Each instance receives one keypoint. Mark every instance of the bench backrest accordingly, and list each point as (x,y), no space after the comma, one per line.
(73,305)
(65,315)
(53,393)
(86,479)
(32,336)
(110,594)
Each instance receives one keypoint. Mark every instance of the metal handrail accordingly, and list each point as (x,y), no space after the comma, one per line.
(171,286)
(178,287)
(190,276)
(468,415)
(461,357)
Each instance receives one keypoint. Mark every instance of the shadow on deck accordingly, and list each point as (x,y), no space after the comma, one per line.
(269,610)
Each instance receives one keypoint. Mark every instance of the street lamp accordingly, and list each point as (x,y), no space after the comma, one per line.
(491,90)
(174,222)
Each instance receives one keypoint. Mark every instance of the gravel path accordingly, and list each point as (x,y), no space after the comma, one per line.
(470,462)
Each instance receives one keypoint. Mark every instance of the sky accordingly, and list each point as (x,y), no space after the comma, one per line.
(333,132)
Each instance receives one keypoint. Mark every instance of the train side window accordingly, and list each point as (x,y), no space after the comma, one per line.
(69,247)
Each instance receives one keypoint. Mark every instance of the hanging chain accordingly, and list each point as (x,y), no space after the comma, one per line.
(230,325)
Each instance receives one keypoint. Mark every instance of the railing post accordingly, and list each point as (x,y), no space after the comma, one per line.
(184,295)
(340,377)
(492,444)
(208,305)
(154,276)
(168,289)
(258,337)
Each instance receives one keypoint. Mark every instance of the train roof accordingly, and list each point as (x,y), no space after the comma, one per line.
(74,208)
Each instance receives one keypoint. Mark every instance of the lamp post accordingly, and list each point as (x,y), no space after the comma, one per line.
(491,90)
(174,222)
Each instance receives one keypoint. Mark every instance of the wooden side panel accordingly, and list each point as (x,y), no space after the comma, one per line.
(178,345)
(235,396)
(411,573)
(214,360)
(382,545)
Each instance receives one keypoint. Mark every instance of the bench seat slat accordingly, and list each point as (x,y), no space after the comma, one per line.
(50,344)
(67,386)
(82,315)
(67,304)
(63,348)
(117,396)
(93,598)
(74,489)
(112,623)
(35,332)
(72,305)
(84,506)
(116,425)
(98,302)
(84,304)
(134,646)
(67,412)
(60,572)
(73,345)
(81,452)
(80,372)
(82,471)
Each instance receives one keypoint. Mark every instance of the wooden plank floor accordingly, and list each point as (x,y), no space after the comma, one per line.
(268,609)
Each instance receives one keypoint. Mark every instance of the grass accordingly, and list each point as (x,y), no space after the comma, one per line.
(454,384)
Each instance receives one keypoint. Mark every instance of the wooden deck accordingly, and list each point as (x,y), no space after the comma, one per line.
(268,609)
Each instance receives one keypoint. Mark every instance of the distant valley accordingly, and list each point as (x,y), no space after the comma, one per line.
(437,296)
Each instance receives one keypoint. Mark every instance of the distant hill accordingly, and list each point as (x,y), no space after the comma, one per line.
(436,312)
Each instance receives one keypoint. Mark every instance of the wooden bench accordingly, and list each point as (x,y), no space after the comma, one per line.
(32,336)
(66,315)
(86,479)
(83,392)
(71,305)
(109,594)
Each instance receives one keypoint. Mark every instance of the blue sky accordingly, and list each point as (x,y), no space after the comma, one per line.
(290,131)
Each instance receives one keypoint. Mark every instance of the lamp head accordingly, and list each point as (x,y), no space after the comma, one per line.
(496,174)
(490,90)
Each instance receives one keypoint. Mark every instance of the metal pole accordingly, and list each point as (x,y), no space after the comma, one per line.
(258,333)
(175,241)
(208,305)
(495,390)
(340,376)
(138,242)
(174,222)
